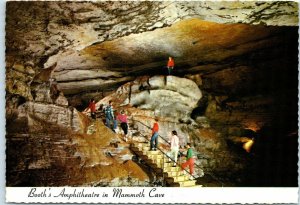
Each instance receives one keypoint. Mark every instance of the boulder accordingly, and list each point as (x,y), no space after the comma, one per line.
(170,97)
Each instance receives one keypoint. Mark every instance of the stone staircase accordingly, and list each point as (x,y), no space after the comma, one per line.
(173,176)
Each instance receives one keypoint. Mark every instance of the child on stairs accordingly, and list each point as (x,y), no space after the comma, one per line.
(189,160)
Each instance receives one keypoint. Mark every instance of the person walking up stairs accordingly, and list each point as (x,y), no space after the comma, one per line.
(174,141)
(122,118)
(189,160)
(158,161)
(92,107)
(109,115)
(154,138)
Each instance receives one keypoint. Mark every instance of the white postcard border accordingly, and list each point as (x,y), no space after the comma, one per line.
(150,195)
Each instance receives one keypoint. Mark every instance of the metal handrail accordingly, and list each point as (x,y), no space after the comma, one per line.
(181,154)
(165,154)
(163,151)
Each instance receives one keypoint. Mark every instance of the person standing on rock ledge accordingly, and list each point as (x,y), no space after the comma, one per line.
(170,65)
(154,137)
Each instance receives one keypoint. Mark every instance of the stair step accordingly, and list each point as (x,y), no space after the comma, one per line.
(174,174)
(170,169)
(152,152)
(181,178)
(177,179)
(168,164)
(141,145)
(145,149)
(144,144)
(155,156)
(158,161)
(187,183)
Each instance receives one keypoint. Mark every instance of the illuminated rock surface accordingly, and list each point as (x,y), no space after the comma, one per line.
(241,59)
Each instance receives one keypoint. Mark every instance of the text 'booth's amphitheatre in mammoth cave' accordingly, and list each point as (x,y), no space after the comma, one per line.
(232,93)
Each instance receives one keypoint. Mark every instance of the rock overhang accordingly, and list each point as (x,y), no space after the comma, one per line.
(256,59)
(196,46)
(104,40)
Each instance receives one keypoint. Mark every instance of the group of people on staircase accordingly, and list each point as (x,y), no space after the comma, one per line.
(110,120)
(174,148)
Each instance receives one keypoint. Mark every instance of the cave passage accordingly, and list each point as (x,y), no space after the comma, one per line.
(233,92)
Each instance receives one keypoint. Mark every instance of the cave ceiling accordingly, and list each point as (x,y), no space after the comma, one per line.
(103,44)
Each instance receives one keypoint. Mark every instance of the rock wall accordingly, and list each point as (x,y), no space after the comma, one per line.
(197,46)
(148,98)
(49,155)
(242,55)
(47,145)
(256,99)
(39,34)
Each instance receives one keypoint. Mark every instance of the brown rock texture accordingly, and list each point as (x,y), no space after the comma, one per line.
(241,59)
(39,34)
(65,158)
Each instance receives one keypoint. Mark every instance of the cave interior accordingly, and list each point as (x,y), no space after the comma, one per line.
(247,74)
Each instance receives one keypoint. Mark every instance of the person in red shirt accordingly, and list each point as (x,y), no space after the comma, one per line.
(154,137)
(122,118)
(170,65)
(92,107)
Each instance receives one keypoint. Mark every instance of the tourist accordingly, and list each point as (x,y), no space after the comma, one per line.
(170,65)
(174,147)
(154,137)
(92,107)
(122,118)
(189,160)
(109,115)
(115,124)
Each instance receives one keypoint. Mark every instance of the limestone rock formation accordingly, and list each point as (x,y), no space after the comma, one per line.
(168,97)
(242,57)
(197,46)
(171,100)
(50,155)
(38,37)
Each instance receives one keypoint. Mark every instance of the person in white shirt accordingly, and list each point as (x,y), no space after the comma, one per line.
(174,146)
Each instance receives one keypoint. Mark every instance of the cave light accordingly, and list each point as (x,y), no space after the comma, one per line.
(247,146)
